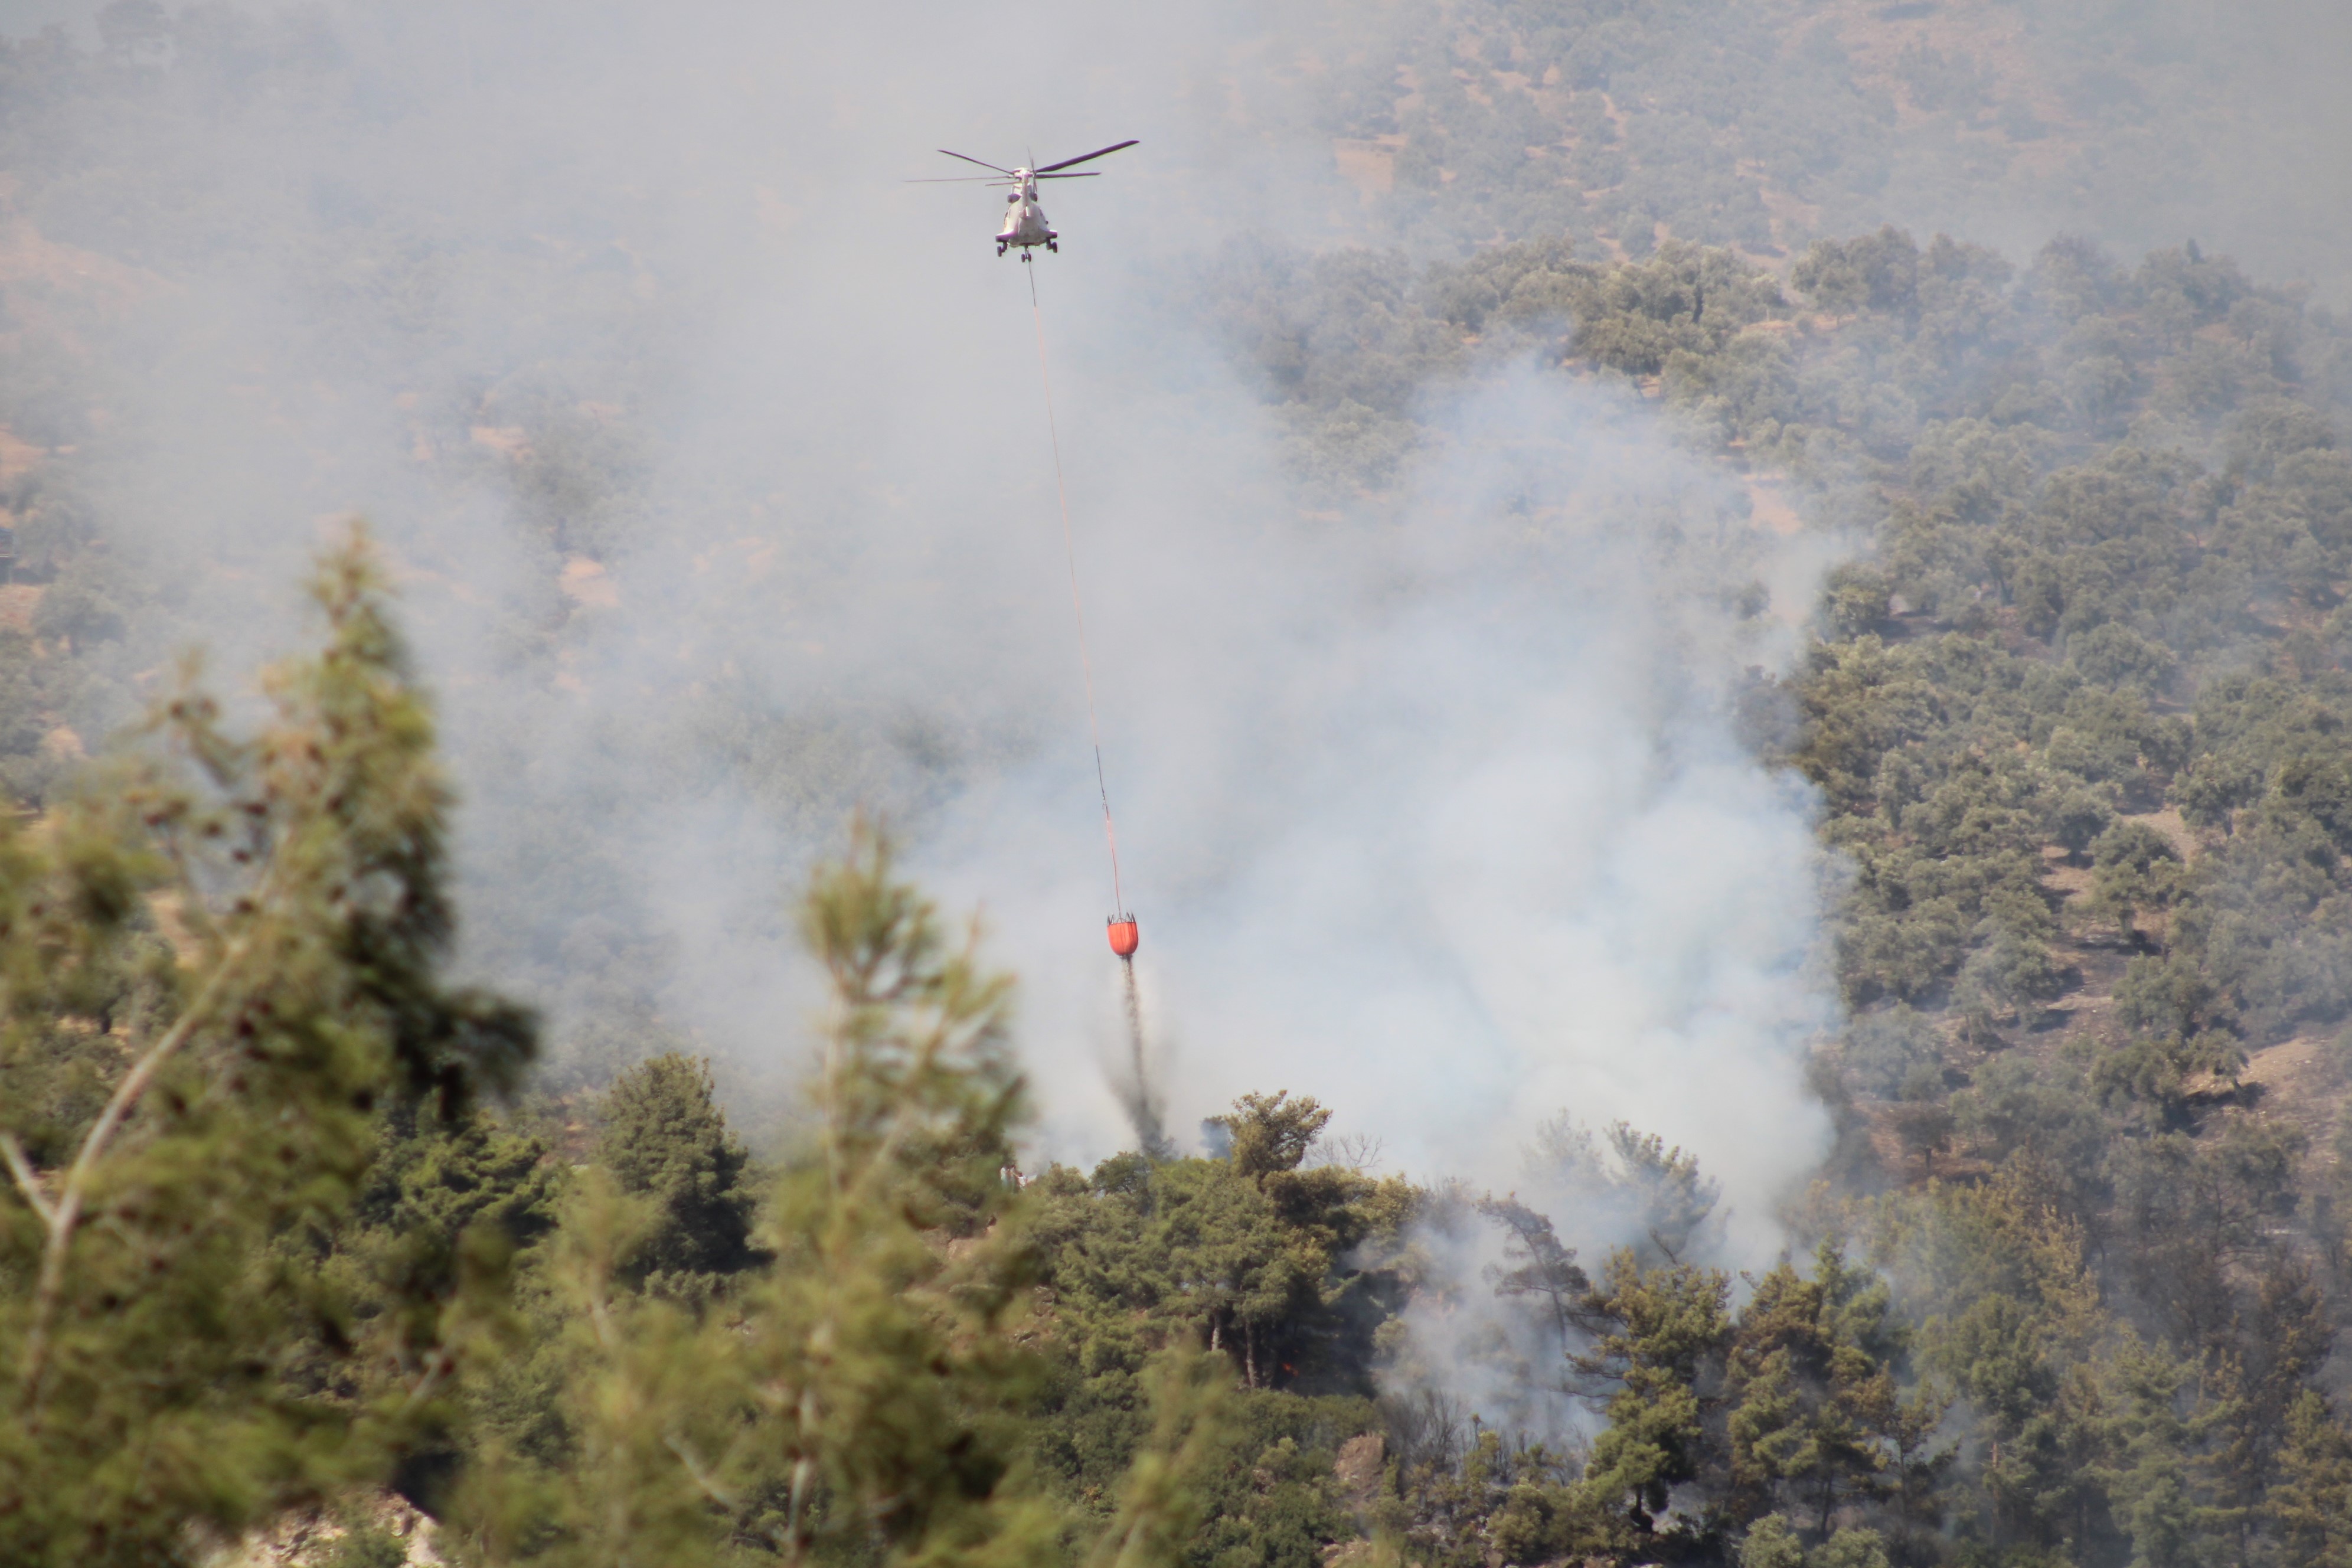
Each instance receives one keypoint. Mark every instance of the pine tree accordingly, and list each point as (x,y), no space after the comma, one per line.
(665,1139)
(2310,1506)
(1265,1133)
(1811,1386)
(150,1308)
(2147,1480)
(1656,1362)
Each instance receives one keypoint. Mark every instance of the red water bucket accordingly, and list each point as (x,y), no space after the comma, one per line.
(1124,938)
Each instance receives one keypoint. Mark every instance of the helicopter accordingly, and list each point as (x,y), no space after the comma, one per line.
(1025,225)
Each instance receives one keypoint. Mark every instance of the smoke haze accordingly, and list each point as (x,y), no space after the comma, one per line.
(715,461)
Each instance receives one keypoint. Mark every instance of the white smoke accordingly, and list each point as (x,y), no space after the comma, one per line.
(1435,812)
(1431,806)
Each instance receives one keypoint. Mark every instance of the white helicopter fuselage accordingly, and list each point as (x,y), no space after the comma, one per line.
(1025,219)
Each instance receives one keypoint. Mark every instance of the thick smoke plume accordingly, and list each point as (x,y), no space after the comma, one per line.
(1435,812)
(716,464)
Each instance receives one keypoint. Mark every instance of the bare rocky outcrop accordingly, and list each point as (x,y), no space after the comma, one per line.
(311,1538)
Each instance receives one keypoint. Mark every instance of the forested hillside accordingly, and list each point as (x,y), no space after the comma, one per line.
(319,1244)
(2072,713)
(1761,126)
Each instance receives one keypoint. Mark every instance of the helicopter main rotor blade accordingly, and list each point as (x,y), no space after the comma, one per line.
(965,180)
(1083,158)
(982,161)
(1081,174)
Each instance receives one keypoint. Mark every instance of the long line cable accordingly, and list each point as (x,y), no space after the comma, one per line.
(1077,604)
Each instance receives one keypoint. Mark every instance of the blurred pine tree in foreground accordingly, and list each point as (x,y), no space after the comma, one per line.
(261,1247)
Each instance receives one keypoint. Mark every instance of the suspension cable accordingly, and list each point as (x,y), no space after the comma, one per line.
(1077,606)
